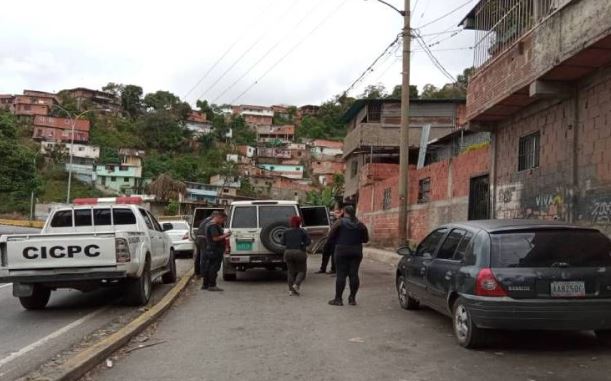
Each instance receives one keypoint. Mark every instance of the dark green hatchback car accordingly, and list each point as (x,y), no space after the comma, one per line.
(511,274)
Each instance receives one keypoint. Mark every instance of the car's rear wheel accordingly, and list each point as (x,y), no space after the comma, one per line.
(139,290)
(38,300)
(604,336)
(467,333)
(170,276)
(406,301)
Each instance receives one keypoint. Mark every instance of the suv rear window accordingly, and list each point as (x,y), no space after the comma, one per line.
(270,214)
(244,217)
(549,248)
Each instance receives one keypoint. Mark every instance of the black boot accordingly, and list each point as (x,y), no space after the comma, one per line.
(336,302)
(352,300)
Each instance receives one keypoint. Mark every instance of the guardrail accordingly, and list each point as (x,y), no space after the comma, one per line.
(22,223)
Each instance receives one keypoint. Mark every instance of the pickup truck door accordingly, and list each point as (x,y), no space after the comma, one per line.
(155,237)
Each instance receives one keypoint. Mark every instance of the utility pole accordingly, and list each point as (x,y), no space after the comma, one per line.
(404,138)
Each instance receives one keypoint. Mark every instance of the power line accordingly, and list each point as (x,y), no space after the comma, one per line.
(266,54)
(324,20)
(445,15)
(439,41)
(371,66)
(434,59)
(241,57)
(440,33)
(229,49)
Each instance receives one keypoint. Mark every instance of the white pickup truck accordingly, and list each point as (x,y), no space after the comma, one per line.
(87,247)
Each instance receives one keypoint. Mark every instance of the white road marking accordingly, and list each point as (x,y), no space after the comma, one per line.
(50,337)
(5,285)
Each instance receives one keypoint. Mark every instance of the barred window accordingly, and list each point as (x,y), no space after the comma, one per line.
(386,201)
(424,190)
(354,168)
(528,154)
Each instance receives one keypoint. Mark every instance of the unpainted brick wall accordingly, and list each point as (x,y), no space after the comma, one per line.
(448,200)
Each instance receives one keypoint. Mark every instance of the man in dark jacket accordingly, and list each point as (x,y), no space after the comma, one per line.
(200,242)
(329,248)
(212,257)
(349,235)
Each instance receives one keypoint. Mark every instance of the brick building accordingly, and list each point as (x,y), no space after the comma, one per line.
(373,129)
(542,86)
(282,134)
(60,129)
(253,115)
(440,192)
(102,101)
(324,171)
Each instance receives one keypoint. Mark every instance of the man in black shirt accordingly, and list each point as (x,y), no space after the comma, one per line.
(200,242)
(213,254)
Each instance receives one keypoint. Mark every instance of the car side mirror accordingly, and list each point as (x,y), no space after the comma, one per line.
(427,256)
(405,250)
(167,226)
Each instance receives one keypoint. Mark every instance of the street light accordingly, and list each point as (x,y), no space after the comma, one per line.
(73,120)
(404,137)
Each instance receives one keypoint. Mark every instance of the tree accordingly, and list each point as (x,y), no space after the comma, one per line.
(205,108)
(242,133)
(131,100)
(160,130)
(165,188)
(374,92)
(115,89)
(166,101)
(396,92)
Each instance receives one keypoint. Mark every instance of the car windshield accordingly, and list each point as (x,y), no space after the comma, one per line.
(549,248)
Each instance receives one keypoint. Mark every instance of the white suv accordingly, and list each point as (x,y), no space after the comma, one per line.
(257,228)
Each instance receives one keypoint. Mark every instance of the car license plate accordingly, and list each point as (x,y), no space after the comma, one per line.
(567,289)
(243,245)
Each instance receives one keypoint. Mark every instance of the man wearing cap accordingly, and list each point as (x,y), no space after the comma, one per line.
(201,242)
(212,257)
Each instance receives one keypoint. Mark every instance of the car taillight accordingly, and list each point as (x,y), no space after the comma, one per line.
(122,250)
(487,285)
(227,246)
(185,237)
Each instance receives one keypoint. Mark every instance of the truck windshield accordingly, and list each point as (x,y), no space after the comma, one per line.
(544,248)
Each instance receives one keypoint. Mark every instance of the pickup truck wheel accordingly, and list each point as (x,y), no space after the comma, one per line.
(170,276)
(38,300)
(139,290)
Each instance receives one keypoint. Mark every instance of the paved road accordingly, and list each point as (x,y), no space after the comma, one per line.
(29,338)
(255,331)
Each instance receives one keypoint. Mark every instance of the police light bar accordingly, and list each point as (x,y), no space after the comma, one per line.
(135,200)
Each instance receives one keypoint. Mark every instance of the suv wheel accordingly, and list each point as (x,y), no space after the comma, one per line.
(139,290)
(467,334)
(406,301)
(170,276)
(38,300)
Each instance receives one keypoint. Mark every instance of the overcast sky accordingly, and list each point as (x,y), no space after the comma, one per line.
(303,51)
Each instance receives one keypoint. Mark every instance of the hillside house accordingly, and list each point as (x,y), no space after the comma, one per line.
(542,87)
(276,134)
(373,129)
(50,128)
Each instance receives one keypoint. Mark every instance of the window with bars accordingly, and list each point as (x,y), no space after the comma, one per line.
(528,154)
(386,201)
(374,112)
(424,190)
(354,168)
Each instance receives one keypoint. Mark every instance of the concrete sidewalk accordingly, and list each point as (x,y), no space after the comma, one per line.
(382,255)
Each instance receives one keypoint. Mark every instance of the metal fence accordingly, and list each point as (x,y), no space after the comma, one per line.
(500,23)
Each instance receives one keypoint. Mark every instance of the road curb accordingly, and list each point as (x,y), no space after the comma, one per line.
(22,223)
(383,256)
(76,366)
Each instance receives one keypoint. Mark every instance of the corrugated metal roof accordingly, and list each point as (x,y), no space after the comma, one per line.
(360,103)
